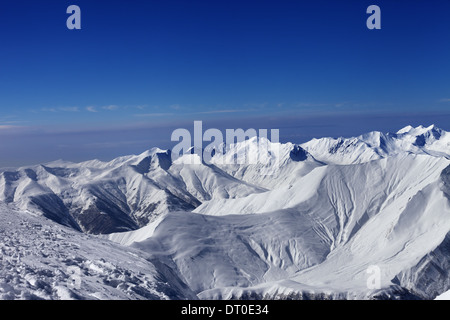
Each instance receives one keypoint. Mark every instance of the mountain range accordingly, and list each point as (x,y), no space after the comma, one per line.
(311,223)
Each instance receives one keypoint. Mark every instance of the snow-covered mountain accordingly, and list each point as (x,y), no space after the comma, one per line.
(376,145)
(310,221)
(120,195)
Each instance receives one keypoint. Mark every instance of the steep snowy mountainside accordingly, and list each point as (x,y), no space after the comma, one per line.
(120,195)
(265,163)
(241,250)
(350,188)
(431,276)
(316,238)
(44,260)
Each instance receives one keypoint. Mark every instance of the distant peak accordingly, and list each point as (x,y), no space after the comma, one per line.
(419,130)
(405,130)
(151,152)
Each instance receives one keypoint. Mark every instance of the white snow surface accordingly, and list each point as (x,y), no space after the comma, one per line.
(44,260)
(309,221)
(444,296)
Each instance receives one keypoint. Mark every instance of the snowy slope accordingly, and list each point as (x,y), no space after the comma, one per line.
(444,296)
(43,260)
(318,236)
(266,164)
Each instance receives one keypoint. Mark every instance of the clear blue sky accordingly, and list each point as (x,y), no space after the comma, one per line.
(138,69)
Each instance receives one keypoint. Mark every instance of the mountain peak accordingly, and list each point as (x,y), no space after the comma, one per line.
(406,129)
(374,145)
(419,130)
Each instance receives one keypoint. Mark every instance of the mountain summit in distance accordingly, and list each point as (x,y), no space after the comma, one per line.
(366,217)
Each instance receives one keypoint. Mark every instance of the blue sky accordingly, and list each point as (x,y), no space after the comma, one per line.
(138,69)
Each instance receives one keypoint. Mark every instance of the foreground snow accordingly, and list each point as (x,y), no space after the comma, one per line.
(43,260)
(444,296)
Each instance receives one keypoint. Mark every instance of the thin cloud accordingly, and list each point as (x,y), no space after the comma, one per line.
(61,109)
(257,105)
(69,109)
(143,115)
(175,107)
(445,100)
(91,109)
(13,129)
(161,114)
(49,109)
(323,105)
(312,105)
(111,107)
(3,122)
(224,111)
(6,127)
